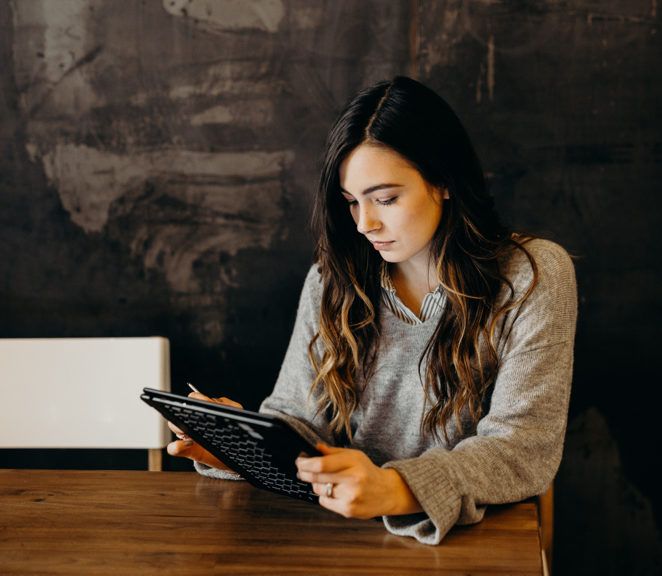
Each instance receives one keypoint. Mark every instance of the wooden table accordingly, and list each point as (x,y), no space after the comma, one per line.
(129,522)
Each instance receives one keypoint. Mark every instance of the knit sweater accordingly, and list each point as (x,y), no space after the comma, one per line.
(514,450)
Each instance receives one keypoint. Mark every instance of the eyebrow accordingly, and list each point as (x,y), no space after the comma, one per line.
(375,188)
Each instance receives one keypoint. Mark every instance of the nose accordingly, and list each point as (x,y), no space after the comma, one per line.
(366,219)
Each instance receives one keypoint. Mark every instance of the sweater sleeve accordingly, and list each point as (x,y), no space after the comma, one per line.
(291,399)
(518,444)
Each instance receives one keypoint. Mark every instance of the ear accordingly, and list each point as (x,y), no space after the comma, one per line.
(441,190)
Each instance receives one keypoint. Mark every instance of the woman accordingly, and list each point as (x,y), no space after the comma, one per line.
(431,358)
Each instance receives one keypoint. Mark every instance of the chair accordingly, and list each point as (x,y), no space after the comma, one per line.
(546,515)
(83,393)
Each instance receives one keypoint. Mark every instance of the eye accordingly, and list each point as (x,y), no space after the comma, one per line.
(387,201)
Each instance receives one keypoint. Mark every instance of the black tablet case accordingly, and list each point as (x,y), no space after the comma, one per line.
(260,447)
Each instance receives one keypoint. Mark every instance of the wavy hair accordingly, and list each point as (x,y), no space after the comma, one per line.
(469,242)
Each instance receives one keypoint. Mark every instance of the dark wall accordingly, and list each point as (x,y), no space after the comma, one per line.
(158,159)
(563,101)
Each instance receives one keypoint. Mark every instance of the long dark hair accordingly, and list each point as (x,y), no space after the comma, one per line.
(470,240)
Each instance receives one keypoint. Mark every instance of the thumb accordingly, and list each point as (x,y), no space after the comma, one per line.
(325,449)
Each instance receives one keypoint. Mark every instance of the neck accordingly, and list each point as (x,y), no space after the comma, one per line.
(413,280)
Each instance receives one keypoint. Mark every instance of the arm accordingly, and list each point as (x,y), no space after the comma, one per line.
(291,399)
(360,488)
(518,444)
(204,462)
(287,401)
(363,489)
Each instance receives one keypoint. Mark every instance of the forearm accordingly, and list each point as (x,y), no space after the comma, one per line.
(402,499)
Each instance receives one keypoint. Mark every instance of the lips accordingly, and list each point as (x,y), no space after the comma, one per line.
(381,245)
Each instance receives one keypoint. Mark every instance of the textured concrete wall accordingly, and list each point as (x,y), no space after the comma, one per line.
(158,158)
(163,158)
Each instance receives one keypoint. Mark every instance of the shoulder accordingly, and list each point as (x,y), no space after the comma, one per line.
(554,294)
(311,293)
(544,258)
(549,256)
(313,282)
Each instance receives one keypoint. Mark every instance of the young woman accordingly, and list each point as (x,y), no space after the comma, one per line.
(431,357)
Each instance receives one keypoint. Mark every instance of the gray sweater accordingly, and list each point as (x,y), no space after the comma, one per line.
(515,449)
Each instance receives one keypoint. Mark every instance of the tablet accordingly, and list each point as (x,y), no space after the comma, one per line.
(260,447)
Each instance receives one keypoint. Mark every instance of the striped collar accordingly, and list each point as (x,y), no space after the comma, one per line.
(432,304)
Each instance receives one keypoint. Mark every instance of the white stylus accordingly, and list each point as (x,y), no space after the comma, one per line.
(193,388)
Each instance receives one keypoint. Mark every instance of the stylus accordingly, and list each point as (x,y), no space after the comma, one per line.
(193,388)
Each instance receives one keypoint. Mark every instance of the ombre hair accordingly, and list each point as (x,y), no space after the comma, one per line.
(470,241)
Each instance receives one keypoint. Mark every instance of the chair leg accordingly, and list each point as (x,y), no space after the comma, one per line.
(155,460)
(545,566)
(546,512)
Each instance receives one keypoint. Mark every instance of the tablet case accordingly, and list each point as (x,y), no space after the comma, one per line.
(260,447)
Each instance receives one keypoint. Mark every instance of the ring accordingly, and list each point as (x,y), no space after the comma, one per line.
(329,490)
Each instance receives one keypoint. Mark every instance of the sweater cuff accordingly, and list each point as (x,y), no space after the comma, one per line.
(436,495)
(216,472)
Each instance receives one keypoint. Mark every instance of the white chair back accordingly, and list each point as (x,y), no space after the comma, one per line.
(82,392)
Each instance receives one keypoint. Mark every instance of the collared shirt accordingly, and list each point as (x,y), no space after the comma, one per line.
(432,303)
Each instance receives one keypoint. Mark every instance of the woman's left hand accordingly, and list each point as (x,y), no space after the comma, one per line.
(348,483)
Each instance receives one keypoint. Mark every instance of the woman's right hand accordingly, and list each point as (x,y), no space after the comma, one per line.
(185,447)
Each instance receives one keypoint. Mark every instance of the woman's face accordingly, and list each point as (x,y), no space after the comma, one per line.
(391,204)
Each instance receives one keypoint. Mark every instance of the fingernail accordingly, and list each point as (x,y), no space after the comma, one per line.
(188,442)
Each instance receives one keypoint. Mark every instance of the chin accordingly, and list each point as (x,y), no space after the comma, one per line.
(389,257)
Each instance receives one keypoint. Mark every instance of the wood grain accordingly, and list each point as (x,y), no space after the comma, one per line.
(135,522)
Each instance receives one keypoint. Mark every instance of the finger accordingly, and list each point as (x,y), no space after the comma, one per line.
(181,448)
(322,478)
(176,430)
(223,400)
(321,489)
(193,451)
(333,463)
(173,428)
(324,470)
(336,502)
(227,402)
(326,449)
(307,463)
